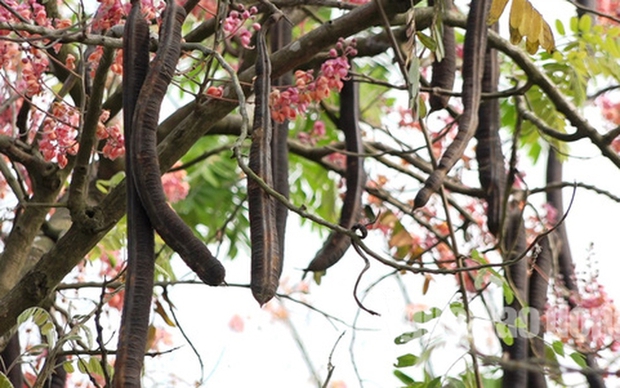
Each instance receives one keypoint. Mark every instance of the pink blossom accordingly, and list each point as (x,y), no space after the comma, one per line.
(236,323)
(175,185)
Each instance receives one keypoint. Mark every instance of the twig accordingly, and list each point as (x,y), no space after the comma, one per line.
(330,366)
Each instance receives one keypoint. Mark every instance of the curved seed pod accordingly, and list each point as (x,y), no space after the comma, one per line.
(491,170)
(144,159)
(337,243)
(444,71)
(140,235)
(281,35)
(513,246)
(266,259)
(9,357)
(473,68)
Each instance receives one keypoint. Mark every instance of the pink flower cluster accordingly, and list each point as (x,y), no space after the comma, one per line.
(115,141)
(609,7)
(234,24)
(287,104)
(33,68)
(592,325)
(58,137)
(29,9)
(109,14)
(175,185)
(317,133)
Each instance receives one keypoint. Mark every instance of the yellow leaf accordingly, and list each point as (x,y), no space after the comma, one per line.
(535,28)
(159,309)
(515,36)
(427,283)
(546,40)
(525,21)
(400,239)
(531,46)
(497,9)
(517,12)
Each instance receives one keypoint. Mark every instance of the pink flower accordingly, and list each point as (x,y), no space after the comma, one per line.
(175,185)
(236,323)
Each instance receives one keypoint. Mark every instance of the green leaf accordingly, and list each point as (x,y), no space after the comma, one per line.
(94,366)
(437,36)
(560,27)
(585,23)
(406,360)
(105,185)
(509,296)
(403,377)
(68,366)
(457,309)
(434,383)
(574,25)
(481,278)
(406,337)
(82,366)
(477,257)
(558,347)
(579,359)
(4,381)
(427,41)
(503,332)
(423,317)
(455,383)
(414,86)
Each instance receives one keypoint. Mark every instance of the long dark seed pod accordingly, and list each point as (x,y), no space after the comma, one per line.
(266,259)
(9,358)
(140,235)
(537,301)
(337,243)
(444,71)
(281,35)
(514,244)
(491,169)
(473,68)
(143,155)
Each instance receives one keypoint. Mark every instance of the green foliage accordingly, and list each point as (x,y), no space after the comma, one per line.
(318,194)
(43,321)
(458,309)
(113,241)
(106,185)
(90,366)
(423,317)
(409,336)
(544,109)
(503,332)
(373,99)
(406,360)
(428,382)
(213,182)
(4,381)
(579,359)
(592,55)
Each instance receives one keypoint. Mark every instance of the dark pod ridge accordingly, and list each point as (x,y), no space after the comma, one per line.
(337,243)
(266,257)
(473,67)
(444,71)
(143,154)
(140,234)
